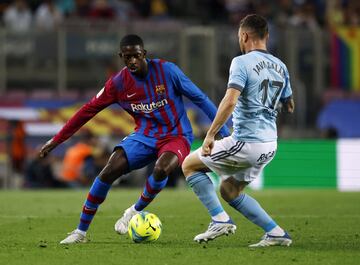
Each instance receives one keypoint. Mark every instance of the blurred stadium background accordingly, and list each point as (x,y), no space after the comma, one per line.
(56,55)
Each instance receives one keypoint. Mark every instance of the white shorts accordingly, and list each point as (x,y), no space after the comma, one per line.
(241,160)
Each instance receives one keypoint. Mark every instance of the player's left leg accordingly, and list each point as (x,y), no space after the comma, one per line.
(166,163)
(231,191)
(194,170)
(171,153)
(115,167)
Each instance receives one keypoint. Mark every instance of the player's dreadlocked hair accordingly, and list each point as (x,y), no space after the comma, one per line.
(131,40)
(256,23)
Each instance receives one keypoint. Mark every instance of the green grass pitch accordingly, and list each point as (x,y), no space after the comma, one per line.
(324,224)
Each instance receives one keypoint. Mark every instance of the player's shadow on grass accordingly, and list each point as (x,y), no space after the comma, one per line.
(181,243)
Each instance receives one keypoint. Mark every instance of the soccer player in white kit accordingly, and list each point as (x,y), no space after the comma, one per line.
(257,82)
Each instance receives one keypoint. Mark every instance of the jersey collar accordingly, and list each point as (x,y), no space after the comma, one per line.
(259,50)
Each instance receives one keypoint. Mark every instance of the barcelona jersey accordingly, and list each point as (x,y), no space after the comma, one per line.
(155,102)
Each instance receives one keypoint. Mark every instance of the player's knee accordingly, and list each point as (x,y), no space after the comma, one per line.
(109,174)
(160,172)
(113,170)
(224,192)
(188,166)
(228,191)
(185,167)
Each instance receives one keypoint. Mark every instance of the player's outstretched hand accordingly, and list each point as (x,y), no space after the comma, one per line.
(47,147)
(207,146)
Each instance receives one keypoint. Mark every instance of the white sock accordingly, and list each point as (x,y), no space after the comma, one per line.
(80,232)
(132,209)
(221,217)
(277,231)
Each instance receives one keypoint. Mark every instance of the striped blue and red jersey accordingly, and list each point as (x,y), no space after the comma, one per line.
(155,102)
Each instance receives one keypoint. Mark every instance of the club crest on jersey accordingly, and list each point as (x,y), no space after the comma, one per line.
(160,89)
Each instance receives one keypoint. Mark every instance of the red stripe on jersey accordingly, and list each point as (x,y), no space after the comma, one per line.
(162,110)
(137,120)
(171,103)
(157,122)
(148,121)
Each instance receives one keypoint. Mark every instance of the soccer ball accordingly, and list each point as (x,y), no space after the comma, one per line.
(144,227)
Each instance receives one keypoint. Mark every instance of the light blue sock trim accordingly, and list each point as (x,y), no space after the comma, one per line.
(270,226)
(237,201)
(216,211)
(197,177)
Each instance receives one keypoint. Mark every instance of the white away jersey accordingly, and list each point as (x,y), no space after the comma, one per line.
(262,79)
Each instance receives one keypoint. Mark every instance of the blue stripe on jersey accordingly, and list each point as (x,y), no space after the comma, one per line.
(154,118)
(159,80)
(152,122)
(185,124)
(183,86)
(180,109)
(170,110)
(170,96)
(158,114)
(142,124)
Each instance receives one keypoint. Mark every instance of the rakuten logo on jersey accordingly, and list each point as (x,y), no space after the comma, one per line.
(147,108)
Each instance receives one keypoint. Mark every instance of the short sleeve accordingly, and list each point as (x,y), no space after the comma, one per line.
(287,91)
(237,75)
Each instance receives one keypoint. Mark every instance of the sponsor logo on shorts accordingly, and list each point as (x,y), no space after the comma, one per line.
(263,157)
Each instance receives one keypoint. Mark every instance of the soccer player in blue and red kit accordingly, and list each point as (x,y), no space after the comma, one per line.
(151,92)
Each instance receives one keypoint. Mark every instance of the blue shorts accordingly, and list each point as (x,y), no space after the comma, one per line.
(141,150)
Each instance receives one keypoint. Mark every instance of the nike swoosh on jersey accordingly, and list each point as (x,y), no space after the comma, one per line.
(131,95)
(180,153)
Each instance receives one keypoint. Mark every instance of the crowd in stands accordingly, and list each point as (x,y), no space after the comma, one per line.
(21,15)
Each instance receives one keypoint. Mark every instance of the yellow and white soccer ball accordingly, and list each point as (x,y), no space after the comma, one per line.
(144,227)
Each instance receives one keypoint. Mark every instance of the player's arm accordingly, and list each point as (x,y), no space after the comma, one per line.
(192,92)
(225,110)
(288,105)
(236,85)
(104,98)
(286,99)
